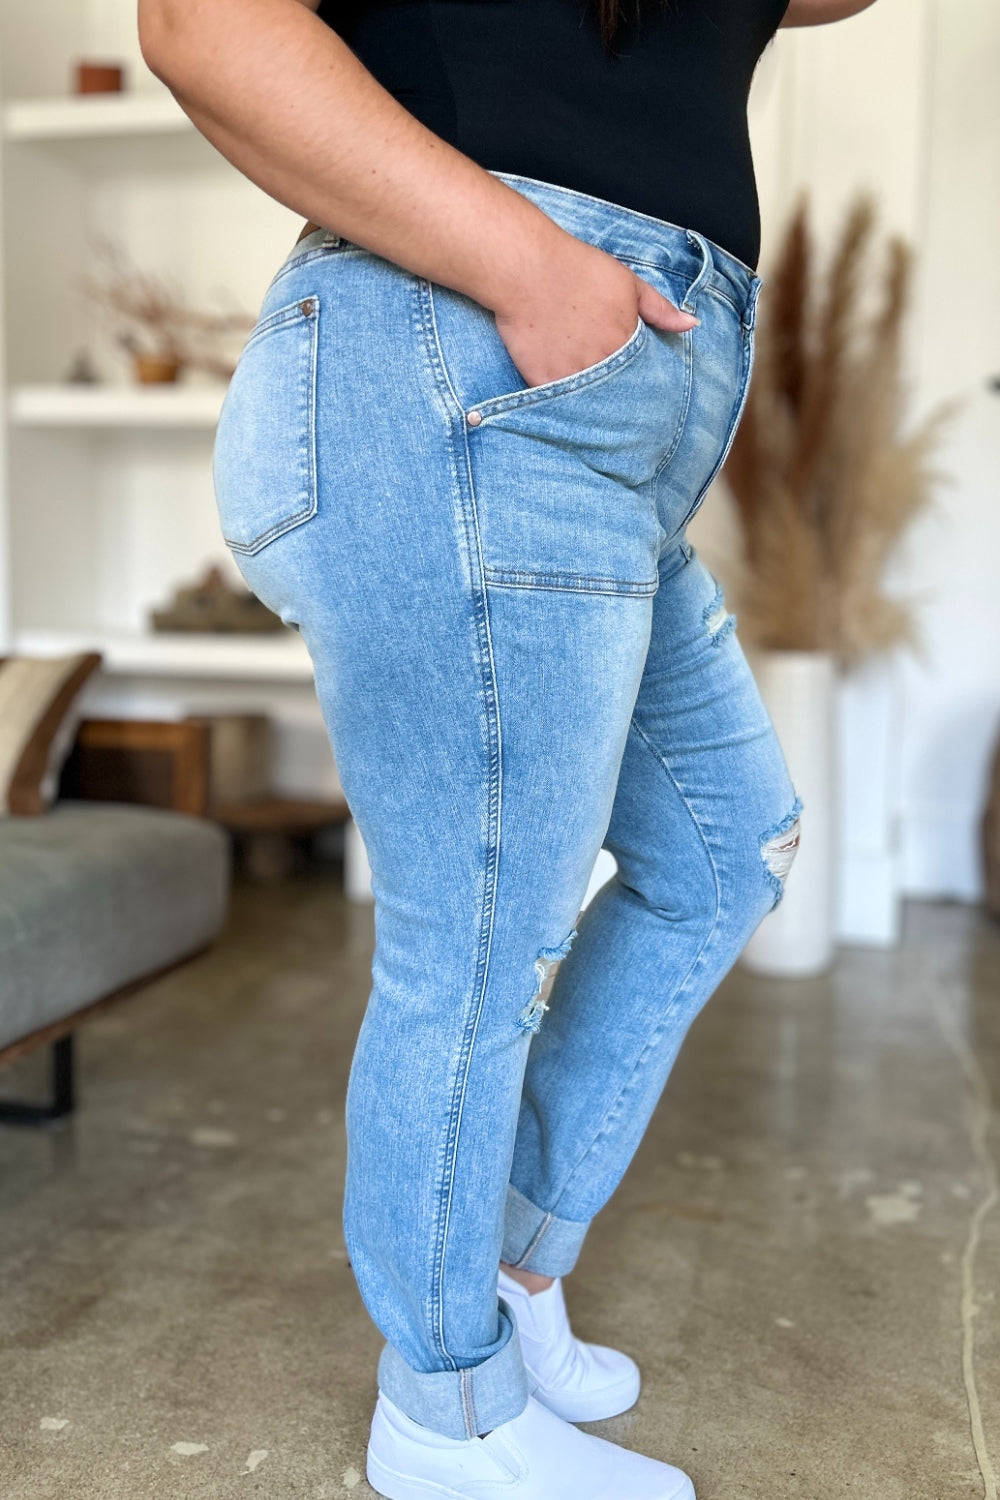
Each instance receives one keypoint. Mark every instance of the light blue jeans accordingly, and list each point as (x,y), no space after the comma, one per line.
(519,658)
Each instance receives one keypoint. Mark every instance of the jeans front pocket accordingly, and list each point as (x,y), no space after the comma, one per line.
(531,395)
(264,460)
(564,472)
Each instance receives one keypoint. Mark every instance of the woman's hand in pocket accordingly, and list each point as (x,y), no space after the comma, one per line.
(579,309)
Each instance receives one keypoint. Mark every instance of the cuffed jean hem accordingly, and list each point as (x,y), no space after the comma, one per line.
(461,1403)
(538,1241)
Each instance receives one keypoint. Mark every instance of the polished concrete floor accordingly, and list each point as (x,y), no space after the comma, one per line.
(786,1258)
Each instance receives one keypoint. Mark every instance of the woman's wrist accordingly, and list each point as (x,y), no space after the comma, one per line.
(517,257)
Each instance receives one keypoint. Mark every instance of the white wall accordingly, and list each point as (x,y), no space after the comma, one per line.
(952,698)
(904,100)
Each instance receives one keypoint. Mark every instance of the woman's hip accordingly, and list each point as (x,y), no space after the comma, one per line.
(379,403)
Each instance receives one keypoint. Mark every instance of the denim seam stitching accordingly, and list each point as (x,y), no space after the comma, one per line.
(306,258)
(748,317)
(290,313)
(720,295)
(580,583)
(704,272)
(468,1403)
(467,500)
(653,1040)
(537,1238)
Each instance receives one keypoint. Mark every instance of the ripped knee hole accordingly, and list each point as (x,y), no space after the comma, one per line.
(717,619)
(779,847)
(545,966)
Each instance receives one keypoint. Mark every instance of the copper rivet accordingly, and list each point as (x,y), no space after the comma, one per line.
(474,418)
(307,308)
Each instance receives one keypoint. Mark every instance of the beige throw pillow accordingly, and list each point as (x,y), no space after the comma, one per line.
(38,723)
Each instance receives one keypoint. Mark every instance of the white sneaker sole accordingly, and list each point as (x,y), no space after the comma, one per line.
(590,1406)
(395,1486)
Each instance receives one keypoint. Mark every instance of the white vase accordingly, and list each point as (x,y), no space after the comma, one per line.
(799,689)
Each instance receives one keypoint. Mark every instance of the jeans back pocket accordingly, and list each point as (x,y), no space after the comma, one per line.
(264,459)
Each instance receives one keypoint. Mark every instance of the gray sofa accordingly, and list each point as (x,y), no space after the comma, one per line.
(97,896)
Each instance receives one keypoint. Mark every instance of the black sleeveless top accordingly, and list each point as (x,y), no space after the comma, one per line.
(659,123)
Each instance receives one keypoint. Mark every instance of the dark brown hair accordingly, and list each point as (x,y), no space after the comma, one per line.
(611,15)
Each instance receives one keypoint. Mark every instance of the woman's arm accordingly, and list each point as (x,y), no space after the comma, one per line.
(285,99)
(819,12)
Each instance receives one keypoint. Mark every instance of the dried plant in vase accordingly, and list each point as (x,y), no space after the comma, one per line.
(151,319)
(824,476)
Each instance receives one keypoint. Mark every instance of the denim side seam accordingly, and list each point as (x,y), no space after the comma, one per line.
(468,1403)
(538,1241)
(480,613)
(462,1403)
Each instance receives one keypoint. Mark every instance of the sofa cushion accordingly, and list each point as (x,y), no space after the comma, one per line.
(94,895)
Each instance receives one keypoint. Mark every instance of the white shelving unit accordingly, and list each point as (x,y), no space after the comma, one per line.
(94,116)
(278,658)
(112,407)
(106,500)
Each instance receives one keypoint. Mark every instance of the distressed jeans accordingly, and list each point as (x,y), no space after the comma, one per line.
(520,659)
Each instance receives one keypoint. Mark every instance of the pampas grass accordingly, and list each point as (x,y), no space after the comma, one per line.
(824,477)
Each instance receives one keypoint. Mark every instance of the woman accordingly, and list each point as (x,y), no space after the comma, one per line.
(487,391)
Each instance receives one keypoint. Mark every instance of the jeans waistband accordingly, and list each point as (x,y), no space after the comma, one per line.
(631,235)
(623,232)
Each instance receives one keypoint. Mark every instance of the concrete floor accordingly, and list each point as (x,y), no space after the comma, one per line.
(785,1258)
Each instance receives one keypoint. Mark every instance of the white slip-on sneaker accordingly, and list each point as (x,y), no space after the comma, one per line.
(579,1382)
(537,1456)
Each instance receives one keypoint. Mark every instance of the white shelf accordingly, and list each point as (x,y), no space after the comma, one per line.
(278,658)
(109,406)
(94,116)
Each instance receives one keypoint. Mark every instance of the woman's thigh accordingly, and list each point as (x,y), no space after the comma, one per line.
(704,806)
(476,599)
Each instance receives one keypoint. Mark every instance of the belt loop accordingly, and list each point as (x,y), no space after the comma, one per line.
(707,265)
(750,310)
